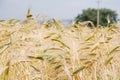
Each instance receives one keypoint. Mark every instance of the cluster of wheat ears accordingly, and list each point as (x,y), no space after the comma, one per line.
(49,51)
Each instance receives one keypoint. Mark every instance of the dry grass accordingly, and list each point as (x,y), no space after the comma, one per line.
(32,51)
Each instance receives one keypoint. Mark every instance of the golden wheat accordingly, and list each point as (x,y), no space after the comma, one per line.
(49,51)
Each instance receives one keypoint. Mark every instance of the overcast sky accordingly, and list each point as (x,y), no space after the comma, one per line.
(60,9)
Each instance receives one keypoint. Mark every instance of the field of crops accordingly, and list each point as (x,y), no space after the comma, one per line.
(49,51)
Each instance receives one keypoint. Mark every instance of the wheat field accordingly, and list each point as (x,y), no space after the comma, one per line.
(49,51)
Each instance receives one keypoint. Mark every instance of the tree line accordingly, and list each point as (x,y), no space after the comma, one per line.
(106,16)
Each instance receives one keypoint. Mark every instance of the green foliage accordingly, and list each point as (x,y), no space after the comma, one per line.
(91,15)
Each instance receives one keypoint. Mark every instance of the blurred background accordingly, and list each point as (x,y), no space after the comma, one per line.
(60,9)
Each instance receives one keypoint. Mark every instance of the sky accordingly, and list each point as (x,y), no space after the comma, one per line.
(60,9)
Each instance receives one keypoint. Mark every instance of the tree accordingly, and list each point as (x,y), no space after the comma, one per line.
(91,15)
